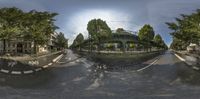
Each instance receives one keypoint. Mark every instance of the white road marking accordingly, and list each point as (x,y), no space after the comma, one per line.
(94,85)
(50,64)
(148,65)
(28,72)
(195,68)
(16,72)
(77,60)
(179,57)
(4,71)
(38,69)
(58,58)
(87,64)
(45,66)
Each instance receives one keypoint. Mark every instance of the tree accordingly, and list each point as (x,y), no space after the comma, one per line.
(62,42)
(177,44)
(158,40)
(10,24)
(119,30)
(146,35)
(98,31)
(186,29)
(38,27)
(33,26)
(78,41)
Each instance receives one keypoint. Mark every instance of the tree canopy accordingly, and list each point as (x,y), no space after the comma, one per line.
(98,30)
(78,41)
(62,42)
(32,26)
(10,22)
(186,29)
(146,33)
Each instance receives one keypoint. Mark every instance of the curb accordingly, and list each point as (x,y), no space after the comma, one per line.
(182,59)
(55,60)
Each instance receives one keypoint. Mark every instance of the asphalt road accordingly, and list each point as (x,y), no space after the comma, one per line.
(164,77)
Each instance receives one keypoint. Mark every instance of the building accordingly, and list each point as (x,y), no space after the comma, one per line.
(52,42)
(17,46)
(122,40)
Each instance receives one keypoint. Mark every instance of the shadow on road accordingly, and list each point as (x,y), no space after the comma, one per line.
(26,81)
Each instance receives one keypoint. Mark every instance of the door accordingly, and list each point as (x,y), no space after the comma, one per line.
(19,48)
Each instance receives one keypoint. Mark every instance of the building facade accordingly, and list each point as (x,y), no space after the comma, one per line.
(17,46)
(123,40)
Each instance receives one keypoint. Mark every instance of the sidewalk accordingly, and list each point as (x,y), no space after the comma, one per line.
(28,57)
(192,60)
(28,65)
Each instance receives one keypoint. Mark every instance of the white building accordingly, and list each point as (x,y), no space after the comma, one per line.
(19,46)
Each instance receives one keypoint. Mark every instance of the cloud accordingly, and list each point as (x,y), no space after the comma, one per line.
(22,4)
(160,12)
(78,22)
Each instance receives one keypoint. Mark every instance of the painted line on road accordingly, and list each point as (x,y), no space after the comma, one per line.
(58,58)
(4,71)
(148,65)
(50,64)
(38,69)
(16,72)
(28,72)
(182,59)
(195,68)
(45,66)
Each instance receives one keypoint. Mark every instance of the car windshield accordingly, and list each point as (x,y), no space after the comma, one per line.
(99,49)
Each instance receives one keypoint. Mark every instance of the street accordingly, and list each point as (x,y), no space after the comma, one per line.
(164,77)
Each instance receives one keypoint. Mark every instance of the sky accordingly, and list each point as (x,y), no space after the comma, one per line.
(128,14)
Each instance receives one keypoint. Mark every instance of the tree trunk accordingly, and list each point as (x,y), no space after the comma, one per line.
(98,46)
(4,46)
(35,48)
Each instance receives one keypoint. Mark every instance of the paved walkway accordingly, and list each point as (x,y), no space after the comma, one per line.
(28,57)
(190,59)
(28,66)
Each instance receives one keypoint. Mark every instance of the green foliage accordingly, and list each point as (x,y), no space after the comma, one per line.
(119,30)
(158,39)
(78,40)
(32,26)
(10,22)
(160,42)
(62,42)
(146,33)
(39,26)
(178,44)
(98,30)
(131,45)
(186,29)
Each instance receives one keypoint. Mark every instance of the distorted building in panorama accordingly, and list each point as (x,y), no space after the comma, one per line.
(122,40)
(52,42)
(18,45)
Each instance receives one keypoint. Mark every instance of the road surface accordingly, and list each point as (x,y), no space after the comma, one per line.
(165,77)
